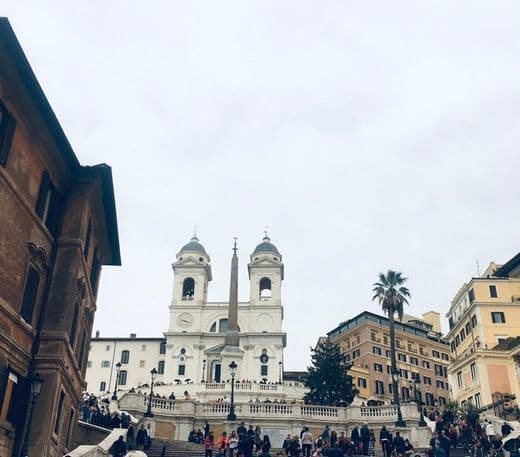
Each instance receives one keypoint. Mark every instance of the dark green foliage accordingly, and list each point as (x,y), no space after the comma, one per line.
(327,379)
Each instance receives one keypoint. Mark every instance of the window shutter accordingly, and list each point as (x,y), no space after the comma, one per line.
(29,294)
(7,127)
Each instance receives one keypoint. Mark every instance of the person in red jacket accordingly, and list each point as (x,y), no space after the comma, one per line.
(209,443)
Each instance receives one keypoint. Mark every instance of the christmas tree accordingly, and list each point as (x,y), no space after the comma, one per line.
(327,379)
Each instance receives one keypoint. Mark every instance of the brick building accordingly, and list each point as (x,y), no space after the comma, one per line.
(420,352)
(57,228)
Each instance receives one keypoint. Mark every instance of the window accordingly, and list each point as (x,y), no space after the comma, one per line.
(105,364)
(223,326)
(388,353)
(403,374)
(160,367)
(473,368)
(95,270)
(69,427)
(385,339)
(414,361)
(440,384)
(474,321)
(442,401)
(452,346)
(182,370)
(390,388)
(477,400)
(29,294)
(48,204)
(373,335)
(123,375)
(438,370)
(125,357)
(188,289)
(498,317)
(457,341)
(265,288)
(107,348)
(493,293)
(405,393)
(82,347)
(445,356)
(7,126)
(102,386)
(376,350)
(429,399)
(427,380)
(378,367)
(361,382)
(468,328)
(426,364)
(380,388)
(162,347)
(263,370)
(73,327)
(141,363)
(471,295)
(389,369)
(58,413)
(398,344)
(436,354)
(459,378)
(355,354)
(401,357)
(462,335)
(143,347)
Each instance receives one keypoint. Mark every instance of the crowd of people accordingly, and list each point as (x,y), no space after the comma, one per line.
(477,438)
(96,411)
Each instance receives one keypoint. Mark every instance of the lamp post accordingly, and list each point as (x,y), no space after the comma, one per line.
(148,412)
(416,394)
(395,382)
(203,370)
(36,387)
(280,371)
(118,367)
(233,370)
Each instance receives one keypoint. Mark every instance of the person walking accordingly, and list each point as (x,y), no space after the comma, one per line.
(142,438)
(118,448)
(266,446)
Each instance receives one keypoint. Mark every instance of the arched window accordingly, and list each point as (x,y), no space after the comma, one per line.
(223,326)
(162,347)
(188,288)
(213,328)
(160,368)
(122,378)
(265,288)
(103,386)
(125,357)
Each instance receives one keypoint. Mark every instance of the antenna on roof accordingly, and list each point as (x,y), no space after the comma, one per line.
(265,231)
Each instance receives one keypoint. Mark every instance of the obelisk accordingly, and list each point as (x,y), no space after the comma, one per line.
(232,339)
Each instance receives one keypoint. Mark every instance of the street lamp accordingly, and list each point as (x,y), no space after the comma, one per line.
(280,371)
(148,412)
(118,367)
(400,422)
(36,387)
(417,395)
(203,369)
(233,370)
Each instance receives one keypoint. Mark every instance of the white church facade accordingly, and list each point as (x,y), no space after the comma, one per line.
(203,336)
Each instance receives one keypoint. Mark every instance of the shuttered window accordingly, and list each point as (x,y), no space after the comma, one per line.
(29,294)
(48,205)
(7,126)
(58,413)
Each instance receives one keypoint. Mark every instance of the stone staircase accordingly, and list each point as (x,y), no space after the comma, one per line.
(175,449)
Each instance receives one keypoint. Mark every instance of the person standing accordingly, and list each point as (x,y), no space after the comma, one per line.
(223,444)
(384,440)
(355,437)
(266,446)
(206,429)
(307,440)
(365,438)
(209,442)
(233,444)
(142,438)
(118,448)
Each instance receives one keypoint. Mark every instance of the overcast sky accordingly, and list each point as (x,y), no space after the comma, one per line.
(367,135)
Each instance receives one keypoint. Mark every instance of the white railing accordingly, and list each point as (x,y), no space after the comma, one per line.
(196,410)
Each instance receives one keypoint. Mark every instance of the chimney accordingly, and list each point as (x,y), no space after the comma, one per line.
(97,333)
(133,335)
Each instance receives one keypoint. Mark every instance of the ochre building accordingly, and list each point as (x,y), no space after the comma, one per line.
(57,228)
(484,320)
(421,354)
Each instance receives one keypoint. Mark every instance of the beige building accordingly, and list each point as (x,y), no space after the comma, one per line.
(421,353)
(484,320)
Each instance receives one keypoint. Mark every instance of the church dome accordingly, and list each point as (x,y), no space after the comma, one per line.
(266,246)
(193,246)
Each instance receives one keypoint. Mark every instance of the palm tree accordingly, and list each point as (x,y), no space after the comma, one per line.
(392,295)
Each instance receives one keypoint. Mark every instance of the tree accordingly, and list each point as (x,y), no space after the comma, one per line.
(327,379)
(392,295)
